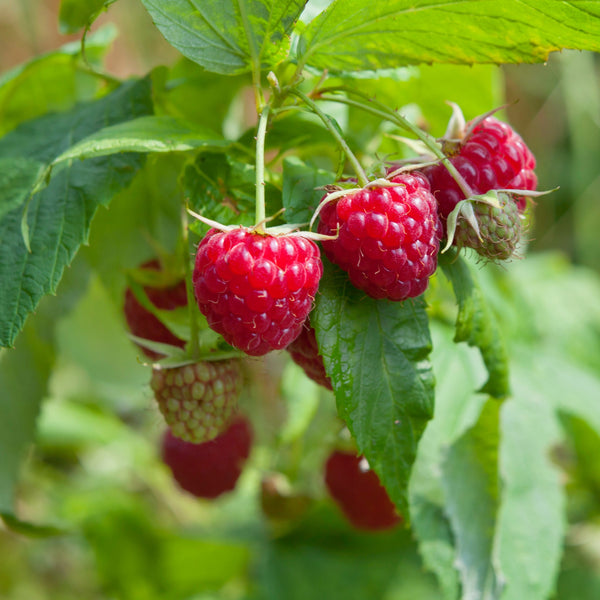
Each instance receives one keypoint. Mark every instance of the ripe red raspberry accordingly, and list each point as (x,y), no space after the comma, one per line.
(388,237)
(212,468)
(305,353)
(359,493)
(256,289)
(494,156)
(143,324)
(198,401)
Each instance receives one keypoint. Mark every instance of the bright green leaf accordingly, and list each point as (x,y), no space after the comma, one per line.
(59,217)
(376,355)
(51,82)
(76,14)
(355,35)
(226,36)
(531,521)
(471,485)
(458,371)
(477,325)
(24,373)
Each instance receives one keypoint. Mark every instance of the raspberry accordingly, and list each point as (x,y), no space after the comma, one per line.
(212,468)
(198,401)
(494,156)
(256,289)
(499,229)
(143,324)
(388,237)
(359,493)
(305,353)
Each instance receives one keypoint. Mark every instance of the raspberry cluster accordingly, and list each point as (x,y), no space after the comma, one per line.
(305,353)
(198,400)
(143,324)
(387,237)
(211,468)
(357,490)
(493,156)
(256,290)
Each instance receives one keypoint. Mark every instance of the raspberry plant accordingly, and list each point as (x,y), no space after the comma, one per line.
(288,164)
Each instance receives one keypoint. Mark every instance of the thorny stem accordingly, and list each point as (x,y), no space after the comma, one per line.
(191,300)
(360,174)
(260,167)
(382,111)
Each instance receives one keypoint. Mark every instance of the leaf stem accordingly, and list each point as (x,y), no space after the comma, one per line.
(360,174)
(378,109)
(260,167)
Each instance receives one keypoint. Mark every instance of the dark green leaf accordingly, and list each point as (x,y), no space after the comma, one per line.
(471,485)
(301,193)
(17,177)
(76,14)
(51,82)
(59,216)
(376,354)
(227,36)
(223,189)
(145,134)
(477,325)
(354,35)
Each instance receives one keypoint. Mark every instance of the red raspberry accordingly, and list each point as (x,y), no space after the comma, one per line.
(359,493)
(256,289)
(494,156)
(212,468)
(305,353)
(142,323)
(388,237)
(199,400)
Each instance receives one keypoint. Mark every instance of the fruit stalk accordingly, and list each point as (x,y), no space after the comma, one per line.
(383,112)
(260,167)
(360,174)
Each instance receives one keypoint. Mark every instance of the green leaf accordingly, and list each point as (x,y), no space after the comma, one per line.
(59,217)
(223,189)
(477,325)
(77,14)
(227,36)
(301,195)
(145,134)
(17,178)
(531,522)
(458,371)
(24,373)
(51,82)
(471,485)
(376,354)
(354,35)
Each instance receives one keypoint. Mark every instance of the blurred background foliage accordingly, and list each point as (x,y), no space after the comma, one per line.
(95,472)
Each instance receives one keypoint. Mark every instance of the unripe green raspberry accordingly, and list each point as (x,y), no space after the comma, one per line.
(198,401)
(499,229)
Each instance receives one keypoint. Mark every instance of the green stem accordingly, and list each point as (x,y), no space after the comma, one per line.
(260,166)
(382,111)
(191,299)
(360,174)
